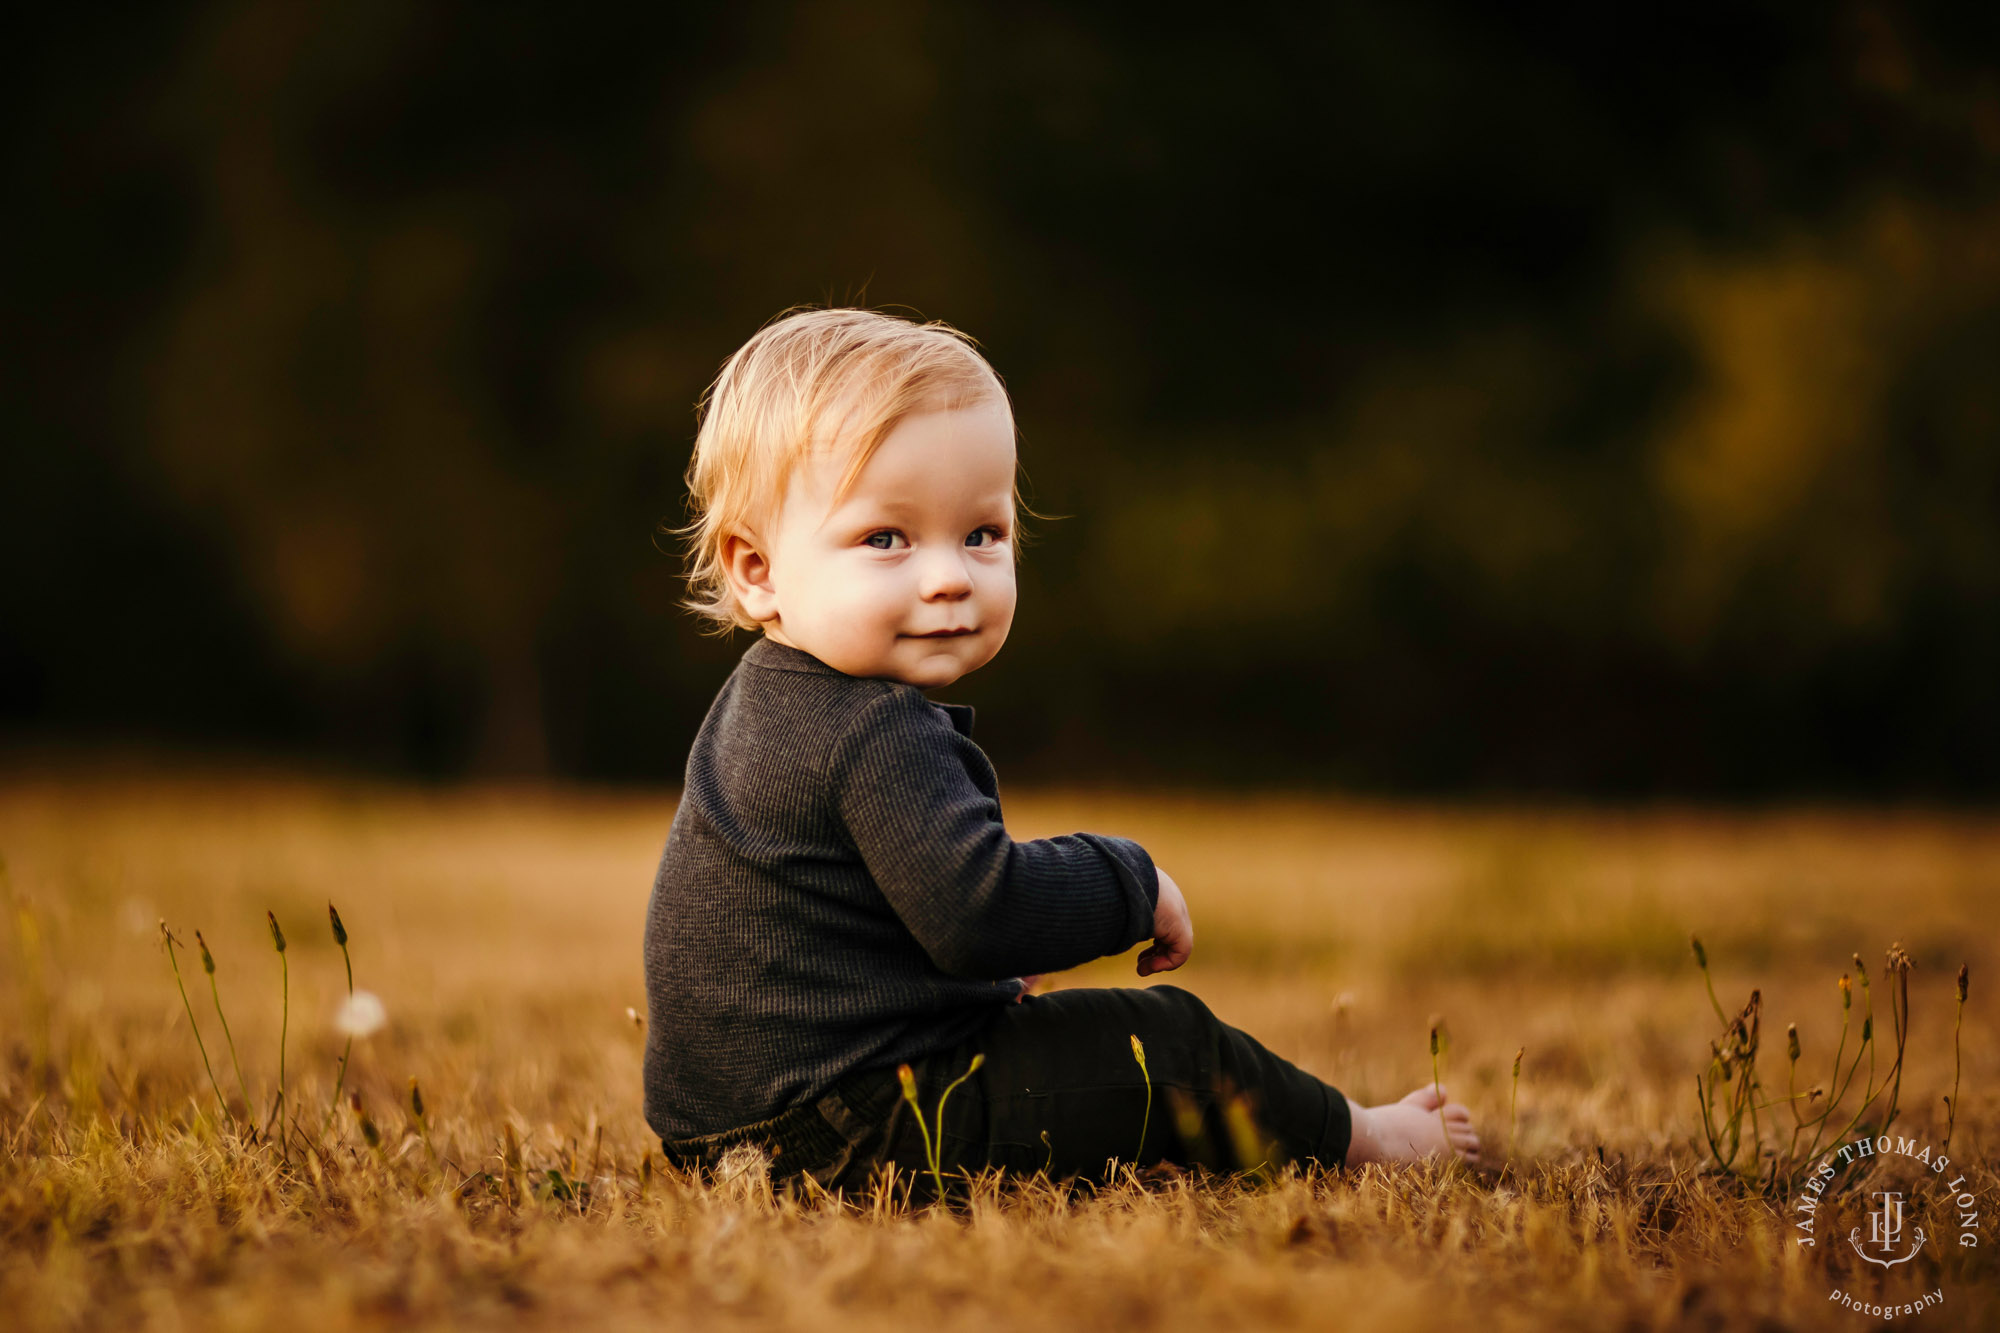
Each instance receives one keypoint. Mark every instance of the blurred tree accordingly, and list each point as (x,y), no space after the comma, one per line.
(1444,397)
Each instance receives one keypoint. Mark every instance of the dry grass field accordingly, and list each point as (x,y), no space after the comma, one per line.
(501,928)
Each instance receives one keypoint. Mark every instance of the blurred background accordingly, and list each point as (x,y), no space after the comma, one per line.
(1438,400)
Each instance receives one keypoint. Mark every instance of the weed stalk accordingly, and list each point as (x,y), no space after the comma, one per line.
(340,938)
(1437,1084)
(1513,1099)
(937,1157)
(35,995)
(423,1121)
(1958,1024)
(200,1045)
(1728,1093)
(284,1030)
(908,1077)
(215,992)
(933,1145)
(1145,1123)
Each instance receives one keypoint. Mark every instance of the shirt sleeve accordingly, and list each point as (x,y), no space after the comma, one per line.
(981,904)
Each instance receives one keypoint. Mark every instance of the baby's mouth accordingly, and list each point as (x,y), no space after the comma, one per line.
(943,634)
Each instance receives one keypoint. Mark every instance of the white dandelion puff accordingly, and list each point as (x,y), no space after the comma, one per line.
(360,1014)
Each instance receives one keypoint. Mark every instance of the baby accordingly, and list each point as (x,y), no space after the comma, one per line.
(840,912)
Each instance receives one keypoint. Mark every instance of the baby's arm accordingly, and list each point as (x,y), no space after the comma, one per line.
(1173,935)
(981,903)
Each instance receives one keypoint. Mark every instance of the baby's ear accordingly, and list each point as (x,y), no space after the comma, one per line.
(749,577)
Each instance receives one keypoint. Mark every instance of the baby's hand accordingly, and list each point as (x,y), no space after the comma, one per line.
(1173,932)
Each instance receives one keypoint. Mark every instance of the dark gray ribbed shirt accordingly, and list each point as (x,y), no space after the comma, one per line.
(838,893)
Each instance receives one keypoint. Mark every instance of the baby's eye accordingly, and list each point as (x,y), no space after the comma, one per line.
(885,540)
(991,531)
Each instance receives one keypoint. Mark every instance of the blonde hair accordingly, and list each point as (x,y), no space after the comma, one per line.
(812,379)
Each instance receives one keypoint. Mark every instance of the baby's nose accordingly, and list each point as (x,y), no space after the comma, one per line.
(944,575)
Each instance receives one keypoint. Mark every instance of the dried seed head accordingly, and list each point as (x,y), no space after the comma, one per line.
(1846,991)
(339,931)
(1792,1041)
(908,1078)
(1434,1039)
(1899,959)
(745,1165)
(277,936)
(207,958)
(1138,1050)
(416,1099)
(369,1134)
(1860,969)
(1700,954)
(1963,976)
(1517,1061)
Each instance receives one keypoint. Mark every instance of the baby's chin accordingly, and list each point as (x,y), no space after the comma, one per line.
(930,666)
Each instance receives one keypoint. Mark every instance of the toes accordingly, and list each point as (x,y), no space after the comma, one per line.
(1430,1097)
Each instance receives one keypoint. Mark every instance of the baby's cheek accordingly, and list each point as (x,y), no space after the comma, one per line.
(996,596)
(881,599)
(867,615)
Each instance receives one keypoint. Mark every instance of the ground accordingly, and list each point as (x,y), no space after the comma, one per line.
(501,928)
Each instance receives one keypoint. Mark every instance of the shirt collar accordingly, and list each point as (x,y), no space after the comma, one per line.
(961,716)
(768,652)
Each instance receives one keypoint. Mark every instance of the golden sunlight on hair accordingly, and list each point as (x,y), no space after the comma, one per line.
(810,380)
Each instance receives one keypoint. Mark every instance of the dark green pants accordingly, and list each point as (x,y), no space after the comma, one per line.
(1061,1089)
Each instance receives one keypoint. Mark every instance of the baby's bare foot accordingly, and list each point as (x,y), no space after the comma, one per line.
(1410,1129)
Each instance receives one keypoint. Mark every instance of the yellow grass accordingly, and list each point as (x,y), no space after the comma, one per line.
(502,929)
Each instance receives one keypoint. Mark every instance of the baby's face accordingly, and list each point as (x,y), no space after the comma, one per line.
(911,577)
